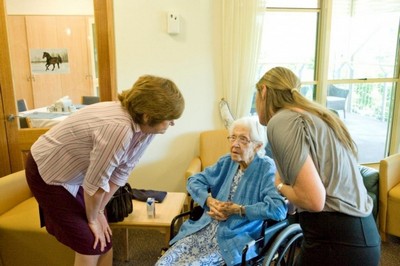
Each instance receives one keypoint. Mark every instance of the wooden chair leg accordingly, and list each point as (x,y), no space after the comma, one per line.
(126,242)
(383,236)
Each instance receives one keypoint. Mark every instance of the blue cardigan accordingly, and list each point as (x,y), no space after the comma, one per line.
(256,191)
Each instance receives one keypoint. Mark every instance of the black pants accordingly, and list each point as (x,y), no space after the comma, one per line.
(332,238)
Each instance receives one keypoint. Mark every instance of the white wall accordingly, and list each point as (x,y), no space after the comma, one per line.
(191,59)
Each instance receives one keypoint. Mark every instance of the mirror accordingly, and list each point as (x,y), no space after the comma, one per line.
(53,50)
(17,141)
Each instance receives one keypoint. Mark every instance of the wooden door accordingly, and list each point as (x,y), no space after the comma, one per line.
(20,59)
(8,129)
(41,33)
(4,154)
(72,33)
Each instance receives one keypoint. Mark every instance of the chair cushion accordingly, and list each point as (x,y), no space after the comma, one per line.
(24,216)
(393,213)
(370,178)
(213,145)
(24,242)
(371,183)
(14,190)
(394,194)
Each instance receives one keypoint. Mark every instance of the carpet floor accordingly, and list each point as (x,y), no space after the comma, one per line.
(145,248)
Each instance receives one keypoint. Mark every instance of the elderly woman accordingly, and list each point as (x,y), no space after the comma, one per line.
(76,167)
(237,193)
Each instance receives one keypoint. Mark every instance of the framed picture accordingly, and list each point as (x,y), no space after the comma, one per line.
(49,61)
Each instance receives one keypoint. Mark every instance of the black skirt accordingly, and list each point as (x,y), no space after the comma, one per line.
(333,238)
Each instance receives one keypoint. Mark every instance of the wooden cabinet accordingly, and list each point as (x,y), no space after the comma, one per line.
(72,33)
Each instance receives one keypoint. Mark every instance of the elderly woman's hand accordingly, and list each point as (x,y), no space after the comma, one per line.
(216,209)
(230,208)
(221,210)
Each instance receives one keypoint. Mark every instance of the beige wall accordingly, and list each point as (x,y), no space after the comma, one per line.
(190,59)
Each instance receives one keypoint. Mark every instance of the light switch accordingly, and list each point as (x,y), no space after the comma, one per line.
(173,22)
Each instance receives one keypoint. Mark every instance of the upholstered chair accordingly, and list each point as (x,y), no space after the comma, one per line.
(213,144)
(389,196)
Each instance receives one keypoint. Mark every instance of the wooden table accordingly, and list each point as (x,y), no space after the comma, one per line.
(171,206)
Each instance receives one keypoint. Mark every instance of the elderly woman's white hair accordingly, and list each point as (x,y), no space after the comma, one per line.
(257,131)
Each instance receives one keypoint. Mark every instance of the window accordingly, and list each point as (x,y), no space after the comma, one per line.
(362,60)
(362,66)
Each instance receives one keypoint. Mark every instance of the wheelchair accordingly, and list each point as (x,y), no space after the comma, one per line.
(278,244)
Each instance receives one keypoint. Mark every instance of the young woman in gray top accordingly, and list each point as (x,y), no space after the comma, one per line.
(317,171)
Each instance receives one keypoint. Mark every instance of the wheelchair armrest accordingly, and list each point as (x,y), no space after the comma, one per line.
(272,229)
(194,214)
(269,230)
(173,222)
(249,245)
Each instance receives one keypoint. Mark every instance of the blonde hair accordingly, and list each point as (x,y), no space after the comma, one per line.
(157,97)
(283,92)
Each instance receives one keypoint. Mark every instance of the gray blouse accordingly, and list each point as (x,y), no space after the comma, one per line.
(293,136)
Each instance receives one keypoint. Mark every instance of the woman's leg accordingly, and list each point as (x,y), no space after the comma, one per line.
(105,259)
(86,260)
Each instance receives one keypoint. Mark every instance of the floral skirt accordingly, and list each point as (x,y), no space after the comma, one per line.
(198,249)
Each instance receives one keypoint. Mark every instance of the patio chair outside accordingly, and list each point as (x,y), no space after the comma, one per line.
(336,99)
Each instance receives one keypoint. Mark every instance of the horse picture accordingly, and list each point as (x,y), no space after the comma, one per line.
(52,60)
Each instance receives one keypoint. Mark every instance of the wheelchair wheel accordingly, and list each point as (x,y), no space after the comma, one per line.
(283,250)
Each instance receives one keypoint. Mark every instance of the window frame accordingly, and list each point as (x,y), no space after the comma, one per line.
(321,81)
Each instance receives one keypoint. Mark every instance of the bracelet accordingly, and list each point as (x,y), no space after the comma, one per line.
(279,187)
(241,211)
(101,211)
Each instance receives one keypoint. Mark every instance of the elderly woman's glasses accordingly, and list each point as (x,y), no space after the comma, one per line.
(241,139)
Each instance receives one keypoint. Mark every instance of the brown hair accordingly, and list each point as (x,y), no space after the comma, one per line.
(158,98)
(283,92)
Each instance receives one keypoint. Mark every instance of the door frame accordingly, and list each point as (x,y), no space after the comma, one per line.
(13,140)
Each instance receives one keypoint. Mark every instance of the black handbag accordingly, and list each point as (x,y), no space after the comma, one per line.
(120,205)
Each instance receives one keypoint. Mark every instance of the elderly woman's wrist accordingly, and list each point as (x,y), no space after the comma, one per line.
(242,211)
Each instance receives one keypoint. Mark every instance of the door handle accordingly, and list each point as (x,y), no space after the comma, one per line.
(11,117)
